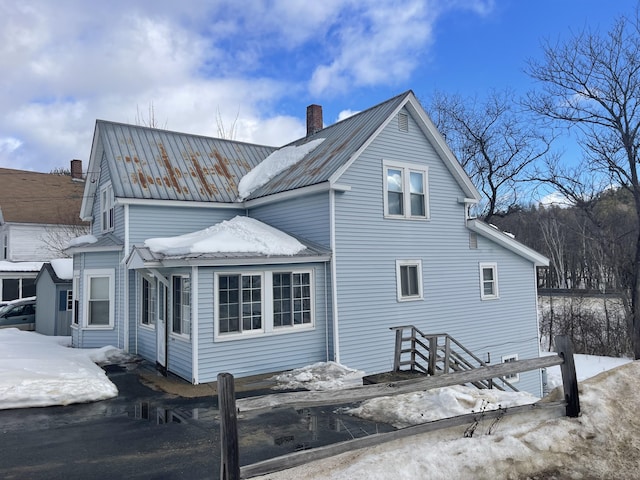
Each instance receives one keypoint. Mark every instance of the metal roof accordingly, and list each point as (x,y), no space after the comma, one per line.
(341,141)
(148,163)
(311,253)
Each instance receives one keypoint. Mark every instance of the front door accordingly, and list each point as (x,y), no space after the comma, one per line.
(161,326)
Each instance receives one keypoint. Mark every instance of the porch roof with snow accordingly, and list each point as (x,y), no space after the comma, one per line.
(239,241)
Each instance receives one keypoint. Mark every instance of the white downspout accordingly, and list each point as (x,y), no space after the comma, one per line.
(194,326)
(126,284)
(334,286)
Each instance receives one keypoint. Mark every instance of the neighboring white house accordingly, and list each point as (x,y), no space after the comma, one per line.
(39,214)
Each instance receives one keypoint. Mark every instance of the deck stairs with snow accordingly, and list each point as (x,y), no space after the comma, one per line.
(420,354)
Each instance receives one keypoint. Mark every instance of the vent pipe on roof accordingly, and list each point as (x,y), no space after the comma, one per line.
(314,119)
(76,169)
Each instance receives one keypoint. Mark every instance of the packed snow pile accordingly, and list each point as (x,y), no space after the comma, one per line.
(319,376)
(420,407)
(240,234)
(38,371)
(271,166)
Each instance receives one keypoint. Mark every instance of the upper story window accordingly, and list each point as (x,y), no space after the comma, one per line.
(107,208)
(488,281)
(405,189)
(5,247)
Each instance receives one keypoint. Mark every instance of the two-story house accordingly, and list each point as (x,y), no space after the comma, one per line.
(209,255)
(39,214)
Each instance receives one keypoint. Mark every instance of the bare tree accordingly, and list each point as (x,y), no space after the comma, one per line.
(56,236)
(493,141)
(226,133)
(150,120)
(591,83)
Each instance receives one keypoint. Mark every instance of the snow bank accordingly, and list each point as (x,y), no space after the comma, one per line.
(83,239)
(240,234)
(271,166)
(7,266)
(63,268)
(602,443)
(38,371)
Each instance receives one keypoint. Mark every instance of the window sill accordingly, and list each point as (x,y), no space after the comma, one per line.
(489,299)
(229,337)
(144,326)
(101,327)
(402,217)
(180,336)
(410,299)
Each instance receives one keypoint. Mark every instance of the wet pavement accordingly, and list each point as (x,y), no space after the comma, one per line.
(158,428)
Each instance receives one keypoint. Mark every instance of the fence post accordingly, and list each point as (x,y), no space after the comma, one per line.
(229,454)
(398,352)
(564,348)
(433,355)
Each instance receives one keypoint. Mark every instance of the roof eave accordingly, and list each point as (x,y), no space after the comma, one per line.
(507,242)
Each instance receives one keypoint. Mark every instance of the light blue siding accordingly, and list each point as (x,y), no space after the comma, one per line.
(368,245)
(161,221)
(307,217)
(269,353)
(94,338)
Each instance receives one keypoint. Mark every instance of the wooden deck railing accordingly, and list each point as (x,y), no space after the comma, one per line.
(436,354)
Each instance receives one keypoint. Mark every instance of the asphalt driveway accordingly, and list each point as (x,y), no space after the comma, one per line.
(156,428)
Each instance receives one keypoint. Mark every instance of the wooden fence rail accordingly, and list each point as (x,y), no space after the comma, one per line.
(230,467)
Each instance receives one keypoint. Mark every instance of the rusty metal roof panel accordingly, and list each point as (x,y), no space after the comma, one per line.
(341,141)
(163,165)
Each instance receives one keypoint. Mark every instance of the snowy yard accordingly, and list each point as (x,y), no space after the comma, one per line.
(36,370)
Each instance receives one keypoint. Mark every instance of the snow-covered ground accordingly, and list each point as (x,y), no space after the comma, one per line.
(37,370)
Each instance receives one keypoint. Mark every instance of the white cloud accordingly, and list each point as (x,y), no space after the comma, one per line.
(65,64)
(344,114)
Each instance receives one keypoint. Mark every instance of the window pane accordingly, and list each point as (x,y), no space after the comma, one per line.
(394,180)
(395,204)
(409,280)
(99,288)
(10,289)
(417,205)
(487,274)
(28,287)
(416,180)
(99,312)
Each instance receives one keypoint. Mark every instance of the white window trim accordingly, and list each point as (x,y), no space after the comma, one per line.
(406,168)
(408,263)
(91,273)
(152,284)
(514,377)
(268,328)
(496,291)
(75,284)
(107,208)
(181,336)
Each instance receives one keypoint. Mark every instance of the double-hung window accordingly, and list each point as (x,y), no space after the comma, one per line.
(99,286)
(107,208)
(405,189)
(181,305)
(409,280)
(488,281)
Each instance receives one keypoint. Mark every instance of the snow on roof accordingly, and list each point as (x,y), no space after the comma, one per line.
(271,166)
(6,266)
(63,268)
(240,234)
(74,242)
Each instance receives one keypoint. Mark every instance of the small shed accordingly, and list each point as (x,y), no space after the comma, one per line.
(54,297)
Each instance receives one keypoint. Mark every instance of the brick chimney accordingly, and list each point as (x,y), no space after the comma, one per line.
(314,119)
(76,169)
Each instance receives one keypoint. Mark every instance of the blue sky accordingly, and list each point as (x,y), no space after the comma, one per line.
(202,64)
